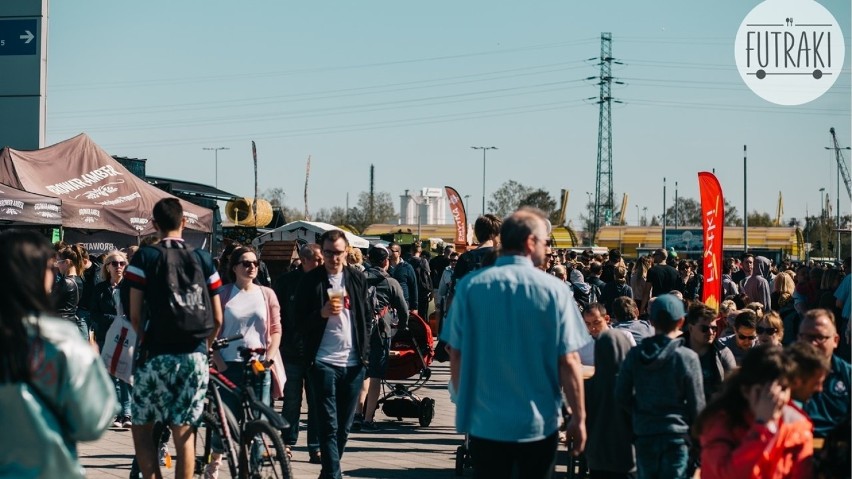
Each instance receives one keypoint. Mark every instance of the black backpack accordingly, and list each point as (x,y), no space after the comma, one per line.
(379,307)
(424,279)
(179,301)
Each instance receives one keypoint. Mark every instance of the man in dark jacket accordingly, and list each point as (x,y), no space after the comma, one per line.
(390,304)
(403,272)
(660,384)
(293,354)
(333,315)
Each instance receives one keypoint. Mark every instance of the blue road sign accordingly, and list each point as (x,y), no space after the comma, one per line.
(18,37)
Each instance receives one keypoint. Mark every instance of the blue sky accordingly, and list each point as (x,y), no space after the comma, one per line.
(410,86)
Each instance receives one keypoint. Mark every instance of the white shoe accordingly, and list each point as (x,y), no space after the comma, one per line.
(117,422)
(212,469)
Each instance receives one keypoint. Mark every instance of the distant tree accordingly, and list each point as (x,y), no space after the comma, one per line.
(795,222)
(275,197)
(335,216)
(508,197)
(689,214)
(588,219)
(383,211)
(732,218)
(760,219)
(542,200)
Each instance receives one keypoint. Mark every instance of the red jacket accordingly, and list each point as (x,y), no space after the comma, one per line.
(753,451)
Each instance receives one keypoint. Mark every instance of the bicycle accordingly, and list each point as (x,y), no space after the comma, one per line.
(252,446)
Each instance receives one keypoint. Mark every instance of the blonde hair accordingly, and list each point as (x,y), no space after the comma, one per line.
(354,256)
(110,257)
(774,320)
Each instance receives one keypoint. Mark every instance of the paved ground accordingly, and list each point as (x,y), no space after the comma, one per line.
(399,450)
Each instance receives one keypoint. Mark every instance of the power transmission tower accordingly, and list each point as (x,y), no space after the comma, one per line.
(604,201)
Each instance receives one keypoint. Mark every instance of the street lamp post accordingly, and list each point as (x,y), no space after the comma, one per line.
(484,149)
(216,156)
(837,224)
(638,218)
(821,219)
(466,204)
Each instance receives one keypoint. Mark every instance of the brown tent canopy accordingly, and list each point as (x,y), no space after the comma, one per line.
(97,193)
(21,208)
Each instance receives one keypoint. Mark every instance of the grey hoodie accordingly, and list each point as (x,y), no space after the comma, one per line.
(660,384)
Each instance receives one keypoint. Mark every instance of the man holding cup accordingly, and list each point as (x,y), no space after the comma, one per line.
(333,314)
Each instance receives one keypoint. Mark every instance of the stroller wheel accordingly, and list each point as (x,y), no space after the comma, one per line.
(460,460)
(427,411)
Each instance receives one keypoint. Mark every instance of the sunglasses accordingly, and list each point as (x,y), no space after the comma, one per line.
(770,331)
(704,328)
(743,337)
(118,263)
(248,264)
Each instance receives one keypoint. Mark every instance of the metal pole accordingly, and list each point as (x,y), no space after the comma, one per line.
(483,181)
(664,213)
(216,159)
(638,218)
(484,149)
(837,221)
(822,216)
(745,201)
(677,210)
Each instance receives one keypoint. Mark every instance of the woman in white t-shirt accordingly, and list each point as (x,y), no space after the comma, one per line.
(253,311)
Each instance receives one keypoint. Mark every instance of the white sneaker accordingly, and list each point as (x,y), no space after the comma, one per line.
(212,469)
(116,422)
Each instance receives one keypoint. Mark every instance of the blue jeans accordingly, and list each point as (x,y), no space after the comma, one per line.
(297,379)
(662,456)
(336,391)
(124,391)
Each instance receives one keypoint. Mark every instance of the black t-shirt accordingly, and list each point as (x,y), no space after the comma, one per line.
(663,278)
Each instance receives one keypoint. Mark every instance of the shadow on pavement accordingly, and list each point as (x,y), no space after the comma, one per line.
(416,473)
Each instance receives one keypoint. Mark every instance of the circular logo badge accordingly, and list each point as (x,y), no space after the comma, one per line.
(789,52)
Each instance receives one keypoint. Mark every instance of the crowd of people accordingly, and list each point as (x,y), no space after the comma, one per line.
(619,358)
(750,390)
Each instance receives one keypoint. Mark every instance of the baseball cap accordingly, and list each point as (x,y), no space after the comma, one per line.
(667,308)
(378,254)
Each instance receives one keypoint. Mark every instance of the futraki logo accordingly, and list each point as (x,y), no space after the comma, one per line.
(789,52)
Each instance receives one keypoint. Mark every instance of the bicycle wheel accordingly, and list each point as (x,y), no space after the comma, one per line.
(262,453)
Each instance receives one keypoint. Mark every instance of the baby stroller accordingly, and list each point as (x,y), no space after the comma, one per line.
(411,354)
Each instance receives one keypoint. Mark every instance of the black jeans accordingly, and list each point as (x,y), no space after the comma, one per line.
(336,391)
(497,459)
(297,377)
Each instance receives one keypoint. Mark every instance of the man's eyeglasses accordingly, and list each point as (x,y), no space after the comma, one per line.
(705,328)
(814,338)
(395,251)
(330,254)
(743,337)
(249,264)
(118,263)
(770,331)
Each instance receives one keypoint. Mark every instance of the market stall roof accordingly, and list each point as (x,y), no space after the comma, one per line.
(190,188)
(97,193)
(19,207)
(309,231)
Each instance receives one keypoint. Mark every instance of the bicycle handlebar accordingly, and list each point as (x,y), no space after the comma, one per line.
(223,343)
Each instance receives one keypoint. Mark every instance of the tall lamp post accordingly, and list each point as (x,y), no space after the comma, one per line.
(484,149)
(215,151)
(821,220)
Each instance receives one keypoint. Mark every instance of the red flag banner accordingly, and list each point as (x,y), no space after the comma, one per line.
(713,224)
(459,216)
